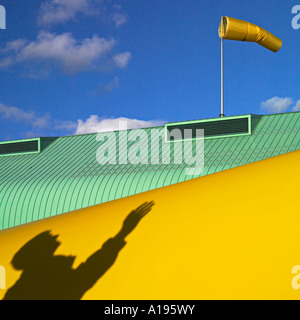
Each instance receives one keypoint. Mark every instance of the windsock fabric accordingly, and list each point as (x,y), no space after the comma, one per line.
(239,30)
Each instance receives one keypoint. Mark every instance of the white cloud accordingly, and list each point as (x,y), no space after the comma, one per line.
(106,88)
(96,124)
(60,11)
(64,125)
(6,62)
(63,50)
(277,105)
(35,74)
(119,19)
(297,106)
(121,60)
(26,117)
(14,45)
(40,125)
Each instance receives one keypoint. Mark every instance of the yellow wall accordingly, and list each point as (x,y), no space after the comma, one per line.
(230,235)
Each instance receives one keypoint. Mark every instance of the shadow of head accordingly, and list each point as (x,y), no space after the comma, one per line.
(39,249)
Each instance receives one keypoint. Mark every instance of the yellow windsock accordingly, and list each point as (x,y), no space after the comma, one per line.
(235,29)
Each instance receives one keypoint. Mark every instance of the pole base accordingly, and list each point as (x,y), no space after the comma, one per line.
(222,115)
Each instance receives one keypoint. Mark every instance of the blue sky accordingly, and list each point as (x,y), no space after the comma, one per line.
(75,66)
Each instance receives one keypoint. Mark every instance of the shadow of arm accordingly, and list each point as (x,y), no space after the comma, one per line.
(89,272)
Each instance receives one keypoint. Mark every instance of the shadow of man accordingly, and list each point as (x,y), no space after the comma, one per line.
(49,277)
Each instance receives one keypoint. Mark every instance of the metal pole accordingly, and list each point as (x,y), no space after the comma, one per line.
(222,72)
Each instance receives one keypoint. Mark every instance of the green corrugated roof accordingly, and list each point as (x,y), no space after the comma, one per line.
(66,176)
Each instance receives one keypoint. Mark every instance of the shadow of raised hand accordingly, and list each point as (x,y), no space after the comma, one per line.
(134,218)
